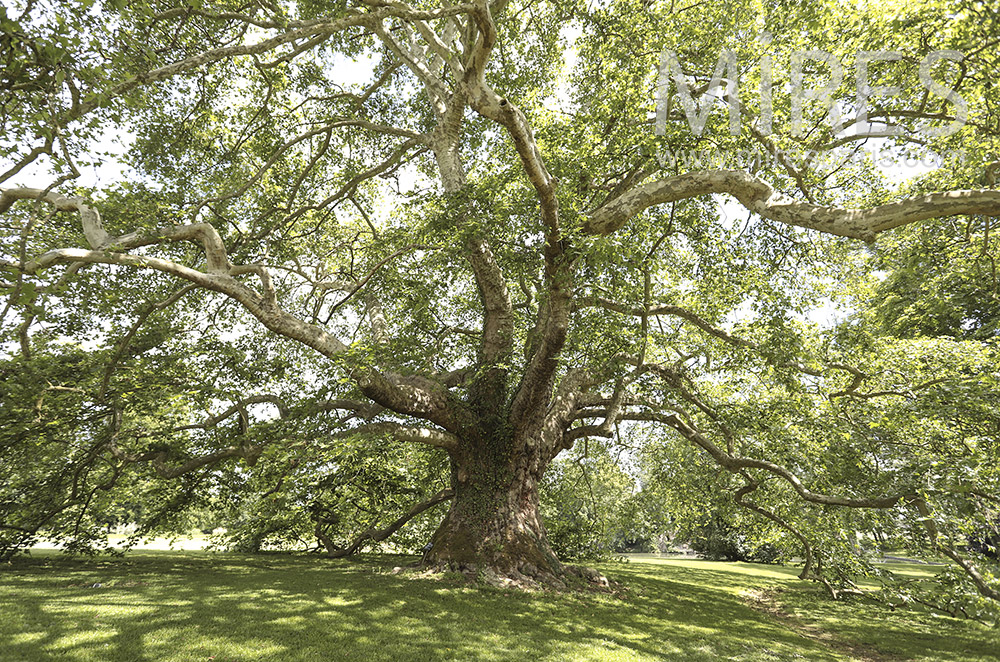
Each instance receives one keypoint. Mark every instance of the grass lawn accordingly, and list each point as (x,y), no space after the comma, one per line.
(184,606)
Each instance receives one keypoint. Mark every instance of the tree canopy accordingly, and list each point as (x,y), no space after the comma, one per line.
(488,229)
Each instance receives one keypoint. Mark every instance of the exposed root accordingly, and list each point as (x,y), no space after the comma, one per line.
(527,578)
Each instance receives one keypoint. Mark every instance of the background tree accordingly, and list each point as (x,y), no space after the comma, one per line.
(591,507)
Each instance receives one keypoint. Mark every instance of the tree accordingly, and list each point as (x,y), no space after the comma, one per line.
(590,508)
(482,251)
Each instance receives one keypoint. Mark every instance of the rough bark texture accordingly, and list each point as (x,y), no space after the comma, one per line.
(493,522)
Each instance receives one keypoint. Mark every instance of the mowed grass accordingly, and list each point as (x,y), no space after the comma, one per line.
(184,606)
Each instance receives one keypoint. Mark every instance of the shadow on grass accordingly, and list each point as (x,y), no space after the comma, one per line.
(166,606)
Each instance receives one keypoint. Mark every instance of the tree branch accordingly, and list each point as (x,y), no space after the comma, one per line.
(757,196)
(412,396)
(405,433)
(378,535)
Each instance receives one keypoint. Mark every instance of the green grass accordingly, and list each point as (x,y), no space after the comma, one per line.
(183,606)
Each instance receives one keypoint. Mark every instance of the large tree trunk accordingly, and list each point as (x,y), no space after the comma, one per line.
(493,525)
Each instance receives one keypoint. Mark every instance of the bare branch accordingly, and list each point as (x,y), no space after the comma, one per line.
(757,196)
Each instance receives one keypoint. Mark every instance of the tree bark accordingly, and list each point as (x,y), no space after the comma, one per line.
(494,522)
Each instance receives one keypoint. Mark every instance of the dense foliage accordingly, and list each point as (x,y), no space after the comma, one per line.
(365,258)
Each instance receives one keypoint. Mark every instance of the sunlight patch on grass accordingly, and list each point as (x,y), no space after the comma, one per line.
(182,606)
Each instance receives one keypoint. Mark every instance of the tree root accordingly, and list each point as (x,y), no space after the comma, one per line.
(528,577)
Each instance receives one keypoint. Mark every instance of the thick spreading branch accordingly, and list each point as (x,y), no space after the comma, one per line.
(758,197)
(160,459)
(422,398)
(405,433)
(430,65)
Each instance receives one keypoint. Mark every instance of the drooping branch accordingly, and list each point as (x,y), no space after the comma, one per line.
(927,519)
(758,197)
(906,392)
(325,129)
(353,289)
(274,318)
(740,498)
(123,344)
(736,463)
(389,165)
(307,30)
(28,159)
(300,35)
(378,535)
(412,396)
(858,377)
(665,309)
(739,464)
(729,459)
